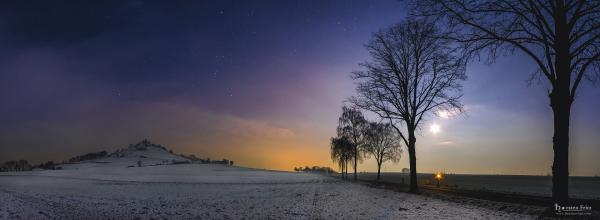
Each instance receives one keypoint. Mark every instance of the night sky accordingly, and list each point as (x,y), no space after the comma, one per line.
(258,82)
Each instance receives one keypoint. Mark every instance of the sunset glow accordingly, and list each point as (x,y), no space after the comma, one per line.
(224,80)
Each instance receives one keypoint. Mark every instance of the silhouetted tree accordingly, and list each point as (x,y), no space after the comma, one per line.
(412,72)
(351,125)
(342,152)
(383,143)
(562,37)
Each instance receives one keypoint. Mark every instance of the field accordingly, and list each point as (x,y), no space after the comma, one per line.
(204,191)
(579,187)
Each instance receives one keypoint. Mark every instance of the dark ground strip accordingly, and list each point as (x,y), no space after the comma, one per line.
(511,198)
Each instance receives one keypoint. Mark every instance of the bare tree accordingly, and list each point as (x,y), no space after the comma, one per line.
(383,143)
(341,152)
(562,37)
(412,73)
(351,125)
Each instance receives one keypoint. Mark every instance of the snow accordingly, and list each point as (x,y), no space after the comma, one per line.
(180,173)
(144,152)
(205,191)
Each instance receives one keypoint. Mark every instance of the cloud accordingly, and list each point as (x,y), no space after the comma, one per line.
(247,128)
(446,143)
(446,114)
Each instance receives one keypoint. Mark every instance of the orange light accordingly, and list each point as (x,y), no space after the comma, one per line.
(438,176)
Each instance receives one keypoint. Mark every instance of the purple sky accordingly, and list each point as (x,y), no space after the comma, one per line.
(261,83)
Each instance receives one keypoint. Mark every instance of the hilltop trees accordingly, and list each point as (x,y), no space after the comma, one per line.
(562,37)
(383,143)
(351,126)
(411,73)
(88,156)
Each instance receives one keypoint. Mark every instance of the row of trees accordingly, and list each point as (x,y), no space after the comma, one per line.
(358,139)
(416,66)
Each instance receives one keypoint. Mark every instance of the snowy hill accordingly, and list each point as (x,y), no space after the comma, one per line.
(143,153)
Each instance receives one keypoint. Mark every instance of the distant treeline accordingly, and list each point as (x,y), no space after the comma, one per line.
(15,165)
(314,169)
(194,159)
(23,165)
(50,165)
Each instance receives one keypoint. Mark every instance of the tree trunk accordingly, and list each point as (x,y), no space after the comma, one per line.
(343,170)
(560,167)
(346,169)
(378,171)
(355,161)
(413,160)
(560,101)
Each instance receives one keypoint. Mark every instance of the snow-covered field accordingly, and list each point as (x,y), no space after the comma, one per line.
(142,182)
(204,191)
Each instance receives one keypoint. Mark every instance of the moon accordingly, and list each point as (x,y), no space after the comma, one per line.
(434,128)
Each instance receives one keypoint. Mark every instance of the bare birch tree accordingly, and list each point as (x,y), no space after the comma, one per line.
(342,152)
(351,125)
